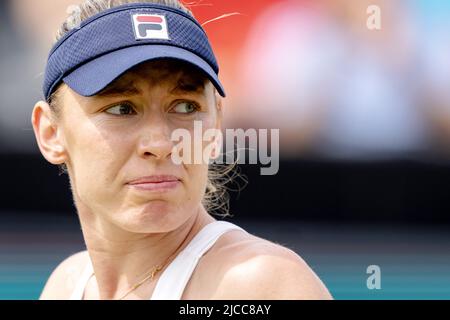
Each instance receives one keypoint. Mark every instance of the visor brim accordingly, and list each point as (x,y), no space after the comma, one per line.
(95,75)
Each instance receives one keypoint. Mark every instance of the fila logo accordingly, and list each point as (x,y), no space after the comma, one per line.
(150,26)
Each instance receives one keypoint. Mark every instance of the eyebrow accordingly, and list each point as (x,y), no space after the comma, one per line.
(123,89)
(194,86)
(184,85)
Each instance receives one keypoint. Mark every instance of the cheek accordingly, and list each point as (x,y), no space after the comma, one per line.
(197,175)
(195,141)
(96,159)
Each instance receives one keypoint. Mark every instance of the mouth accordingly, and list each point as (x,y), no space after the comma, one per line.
(159,183)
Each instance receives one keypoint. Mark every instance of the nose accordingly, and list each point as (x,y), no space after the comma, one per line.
(154,140)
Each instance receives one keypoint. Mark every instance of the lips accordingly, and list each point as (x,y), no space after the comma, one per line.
(155,183)
(154,179)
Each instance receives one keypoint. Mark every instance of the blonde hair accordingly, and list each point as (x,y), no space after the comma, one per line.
(85,10)
(216,198)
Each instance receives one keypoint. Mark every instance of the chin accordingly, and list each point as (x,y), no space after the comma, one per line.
(154,216)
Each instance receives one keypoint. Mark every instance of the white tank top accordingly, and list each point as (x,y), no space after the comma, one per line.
(173,280)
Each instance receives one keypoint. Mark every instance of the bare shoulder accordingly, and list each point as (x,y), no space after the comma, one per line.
(62,280)
(244,266)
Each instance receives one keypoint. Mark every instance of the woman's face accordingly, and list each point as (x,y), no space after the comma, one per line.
(124,133)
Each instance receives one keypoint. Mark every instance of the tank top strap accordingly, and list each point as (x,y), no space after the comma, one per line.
(173,280)
(78,292)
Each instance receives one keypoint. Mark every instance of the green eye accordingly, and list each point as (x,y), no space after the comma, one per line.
(185,107)
(121,109)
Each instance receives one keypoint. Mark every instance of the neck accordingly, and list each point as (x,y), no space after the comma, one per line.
(120,259)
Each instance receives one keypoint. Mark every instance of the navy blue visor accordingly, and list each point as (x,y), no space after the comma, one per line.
(91,56)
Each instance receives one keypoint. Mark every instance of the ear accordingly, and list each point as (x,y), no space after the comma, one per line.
(48,134)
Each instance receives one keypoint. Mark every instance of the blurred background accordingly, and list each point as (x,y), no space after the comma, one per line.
(364,119)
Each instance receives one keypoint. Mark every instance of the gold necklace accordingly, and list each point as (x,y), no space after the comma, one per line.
(150,276)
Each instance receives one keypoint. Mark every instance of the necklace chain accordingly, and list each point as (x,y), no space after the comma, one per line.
(150,276)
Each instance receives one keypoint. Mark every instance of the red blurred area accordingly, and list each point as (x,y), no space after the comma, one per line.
(229,34)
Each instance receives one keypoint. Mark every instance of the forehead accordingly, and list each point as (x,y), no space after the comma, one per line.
(176,74)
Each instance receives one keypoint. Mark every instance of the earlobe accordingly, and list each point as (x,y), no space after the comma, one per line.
(219,102)
(47,134)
